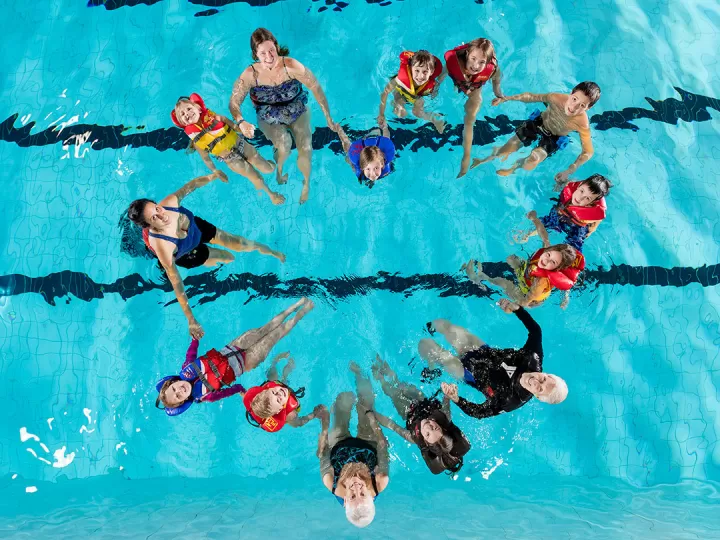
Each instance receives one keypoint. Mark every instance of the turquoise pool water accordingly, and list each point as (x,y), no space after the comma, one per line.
(86,330)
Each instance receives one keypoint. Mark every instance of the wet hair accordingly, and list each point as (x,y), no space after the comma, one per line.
(590,89)
(180,101)
(356,469)
(135,212)
(422,58)
(568,254)
(558,394)
(597,184)
(161,395)
(361,514)
(446,455)
(262,35)
(485,46)
(261,404)
(370,154)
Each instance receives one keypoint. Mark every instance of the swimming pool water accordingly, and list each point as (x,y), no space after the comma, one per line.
(88,328)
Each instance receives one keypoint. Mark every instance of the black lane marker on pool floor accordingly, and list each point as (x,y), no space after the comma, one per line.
(207,286)
(690,108)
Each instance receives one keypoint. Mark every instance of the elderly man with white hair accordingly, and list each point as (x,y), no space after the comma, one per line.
(508,378)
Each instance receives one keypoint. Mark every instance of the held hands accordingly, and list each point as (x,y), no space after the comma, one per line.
(196,331)
(507,306)
(220,176)
(498,101)
(246,128)
(381,121)
(532,214)
(334,126)
(451,391)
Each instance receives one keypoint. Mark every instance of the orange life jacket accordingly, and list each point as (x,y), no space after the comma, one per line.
(277,422)
(581,215)
(560,279)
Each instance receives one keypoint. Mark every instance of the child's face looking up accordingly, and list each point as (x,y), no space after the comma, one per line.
(583,196)
(421,73)
(187,113)
(373,170)
(550,260)
(577,103)
(475,61)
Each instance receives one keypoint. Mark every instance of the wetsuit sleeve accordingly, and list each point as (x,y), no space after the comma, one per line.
(191,354)
(484,410)
(534,340)
(217,395)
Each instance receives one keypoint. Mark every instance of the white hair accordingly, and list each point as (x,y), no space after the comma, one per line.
(362,513)
(559,392)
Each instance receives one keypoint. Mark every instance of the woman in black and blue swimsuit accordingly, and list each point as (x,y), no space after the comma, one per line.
(355,469)
(178,238)
(275,84)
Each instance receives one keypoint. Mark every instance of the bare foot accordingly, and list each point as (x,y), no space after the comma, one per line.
(305,194)
(309,304)
(377,375)
(281,178)
(289,367)
(439,123)
(506,172)
(521,237)
(478,161)
(515,262)
(354,367)
(279,256)
(276,198)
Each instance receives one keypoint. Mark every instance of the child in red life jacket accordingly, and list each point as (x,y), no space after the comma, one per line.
(551,267)
(470,66)
(274,404)
(213,376)
(578,212)
(419,75)
(216,135)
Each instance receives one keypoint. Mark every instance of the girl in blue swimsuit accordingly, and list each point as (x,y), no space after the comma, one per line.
(275,84)
(355,469)
(178,238)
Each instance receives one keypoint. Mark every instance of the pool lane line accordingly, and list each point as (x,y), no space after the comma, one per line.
(690,108)
(208,288)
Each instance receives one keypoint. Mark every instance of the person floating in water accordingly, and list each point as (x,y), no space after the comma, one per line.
(470,66)
(419,76)
(428,423)
(214,375)
(273,404)
(355,469)
(579,210)
(565,113)
(550,267)
(371,158)
(275,84)
(508,378)
(178,238)
(215,135)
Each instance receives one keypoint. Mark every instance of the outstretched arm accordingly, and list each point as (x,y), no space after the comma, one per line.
(382,471)
(194,184)
(586,153)
(386,422)
(239,92)
(488,408)
(217,395)
(383,102)
(446,407)
(527,97)
(299,421)
(191,354)
(167,261)
(496,78)
(305,76)
(540,228)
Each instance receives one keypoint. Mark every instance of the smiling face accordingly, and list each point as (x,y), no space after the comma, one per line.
(177,393)
(583,196)
(475,61)
(278,399)
(267,54)
(373,170)
(550,260)
(430,431)
(421,73)
(539,384)
(577,103)
(356,491)
(187,113)
(155,216)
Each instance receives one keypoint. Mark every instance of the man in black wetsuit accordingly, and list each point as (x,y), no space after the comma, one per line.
(508,378)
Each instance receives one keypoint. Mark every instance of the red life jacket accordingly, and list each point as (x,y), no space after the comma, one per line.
(560,279)
(458,75)
(217,370)
(404,80)
(581,215)
(274,423)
